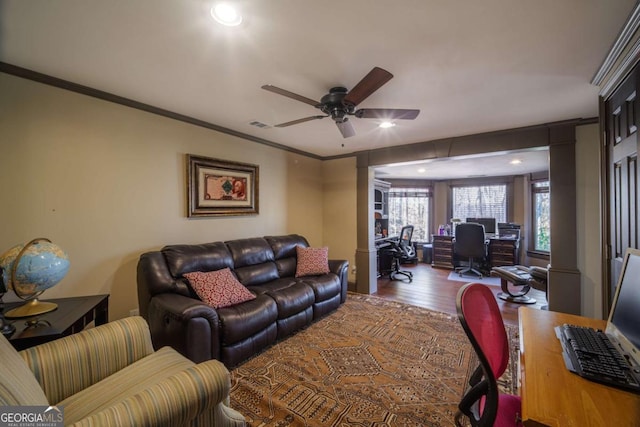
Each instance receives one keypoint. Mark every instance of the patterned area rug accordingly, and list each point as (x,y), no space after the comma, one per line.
(371,363)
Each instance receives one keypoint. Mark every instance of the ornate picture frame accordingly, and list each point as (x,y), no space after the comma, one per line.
(218,187)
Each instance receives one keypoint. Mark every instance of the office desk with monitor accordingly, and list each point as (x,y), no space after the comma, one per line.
(553,396)
(501,251)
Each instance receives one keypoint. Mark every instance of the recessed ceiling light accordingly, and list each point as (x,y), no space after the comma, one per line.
(385,125)
(422,170)
(226,14)
(515,161)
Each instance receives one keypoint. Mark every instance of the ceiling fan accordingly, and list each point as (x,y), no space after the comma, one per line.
(340,103)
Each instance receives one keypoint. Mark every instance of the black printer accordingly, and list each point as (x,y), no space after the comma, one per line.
(508,230)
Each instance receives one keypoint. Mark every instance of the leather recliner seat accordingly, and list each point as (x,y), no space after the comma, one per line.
(283,305)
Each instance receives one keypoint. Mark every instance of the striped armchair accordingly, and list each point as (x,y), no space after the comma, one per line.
(111,376)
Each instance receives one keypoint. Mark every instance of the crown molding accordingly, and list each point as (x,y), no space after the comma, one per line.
(106,96)
(622,57)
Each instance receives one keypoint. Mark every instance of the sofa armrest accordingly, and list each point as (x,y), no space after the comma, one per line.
(188,325)
(341,268)
(68,365)
(200,392)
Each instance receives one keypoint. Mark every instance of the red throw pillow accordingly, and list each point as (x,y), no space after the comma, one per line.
(218,288)
(312,261)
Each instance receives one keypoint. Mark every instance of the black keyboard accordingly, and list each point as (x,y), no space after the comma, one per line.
(589,353)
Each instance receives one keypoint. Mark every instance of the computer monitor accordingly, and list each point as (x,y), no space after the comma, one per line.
(624,317)
(489,224)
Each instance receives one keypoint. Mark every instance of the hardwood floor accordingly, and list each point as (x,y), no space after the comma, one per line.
(431,289)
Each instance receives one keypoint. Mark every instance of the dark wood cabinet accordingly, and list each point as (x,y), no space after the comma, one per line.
(381,198)
(72,315)
(501,252)
(504,252)
(442,251)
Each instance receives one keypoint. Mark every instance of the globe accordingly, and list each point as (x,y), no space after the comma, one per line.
(31,269)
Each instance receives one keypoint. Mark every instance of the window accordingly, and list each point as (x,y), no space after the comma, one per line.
(480,201)
(541,216)
(410,206)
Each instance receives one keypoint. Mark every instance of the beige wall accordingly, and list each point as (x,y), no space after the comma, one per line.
(339,230)
(107,182)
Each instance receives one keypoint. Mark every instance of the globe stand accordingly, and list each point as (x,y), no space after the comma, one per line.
(33,307)
(36,323)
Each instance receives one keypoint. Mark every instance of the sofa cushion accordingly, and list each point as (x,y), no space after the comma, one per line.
(292,300)
(285,246)
(241,321)
(219,288)
(253,261)
(249,251)
(257,274)
(205,257)
(274,285)
(127,382)
(284,251)
(324,287)
(312,261)
(19,385)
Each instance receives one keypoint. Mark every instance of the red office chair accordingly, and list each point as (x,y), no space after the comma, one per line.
(482,403)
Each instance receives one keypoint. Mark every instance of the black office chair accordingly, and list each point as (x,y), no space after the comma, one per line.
(469,242)
(402,251)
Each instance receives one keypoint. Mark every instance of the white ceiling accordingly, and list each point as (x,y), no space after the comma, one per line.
(469,66)
(477,166)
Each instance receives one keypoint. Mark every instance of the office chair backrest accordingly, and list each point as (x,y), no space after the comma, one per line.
(405,241)
(481,320)
(470,240)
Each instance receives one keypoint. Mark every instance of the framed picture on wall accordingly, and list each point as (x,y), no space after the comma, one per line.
(218,187)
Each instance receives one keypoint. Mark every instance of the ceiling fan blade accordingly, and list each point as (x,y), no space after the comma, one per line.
(295,122)
(346,129)
(369,84)
(291,95)
(387,113)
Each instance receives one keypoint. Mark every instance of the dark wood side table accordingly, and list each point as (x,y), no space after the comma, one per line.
(72,316)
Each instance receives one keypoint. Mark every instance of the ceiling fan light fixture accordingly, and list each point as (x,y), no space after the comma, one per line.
(340,103)
(226,14)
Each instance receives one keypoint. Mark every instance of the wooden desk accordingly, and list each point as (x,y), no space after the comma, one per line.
(501,252)
(553,396)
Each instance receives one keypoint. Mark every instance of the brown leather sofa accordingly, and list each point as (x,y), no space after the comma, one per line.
(265,265)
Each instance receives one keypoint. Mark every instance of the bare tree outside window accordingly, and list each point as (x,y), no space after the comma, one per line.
(481,201)
(410,206)
(542,216)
